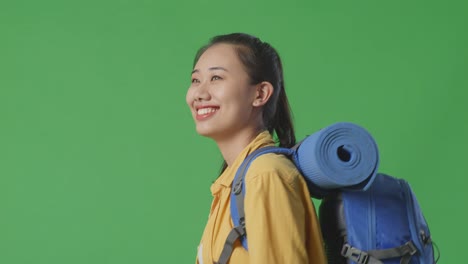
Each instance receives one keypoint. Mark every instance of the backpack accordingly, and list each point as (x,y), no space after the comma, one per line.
(383,224)
(323,158)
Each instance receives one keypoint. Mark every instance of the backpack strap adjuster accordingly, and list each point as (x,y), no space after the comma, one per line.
(237,189)
(354,254)
(242,224)
(412,249)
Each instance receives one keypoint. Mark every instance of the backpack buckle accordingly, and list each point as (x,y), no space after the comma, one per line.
(354,254)
(242,223)
(412,249)
(237,189)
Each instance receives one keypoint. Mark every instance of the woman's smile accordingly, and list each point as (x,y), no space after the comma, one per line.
(205,112)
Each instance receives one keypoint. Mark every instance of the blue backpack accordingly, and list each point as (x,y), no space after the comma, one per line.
(383,224)
(339,164)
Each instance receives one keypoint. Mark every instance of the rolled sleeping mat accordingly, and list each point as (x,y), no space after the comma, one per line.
(340,156)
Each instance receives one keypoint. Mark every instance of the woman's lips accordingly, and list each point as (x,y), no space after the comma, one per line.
(203,113)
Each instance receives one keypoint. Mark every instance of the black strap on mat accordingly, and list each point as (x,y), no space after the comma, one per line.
(405,251)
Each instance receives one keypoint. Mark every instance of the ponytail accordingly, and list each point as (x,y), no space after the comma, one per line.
(282,122)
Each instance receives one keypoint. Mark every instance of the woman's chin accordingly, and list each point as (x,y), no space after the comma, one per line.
(206,132)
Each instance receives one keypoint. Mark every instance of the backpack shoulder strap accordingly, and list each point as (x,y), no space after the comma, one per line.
(237,201)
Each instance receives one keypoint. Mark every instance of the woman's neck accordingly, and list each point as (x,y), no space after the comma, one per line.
(232,146)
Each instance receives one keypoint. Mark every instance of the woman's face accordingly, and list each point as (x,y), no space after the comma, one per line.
(221,96)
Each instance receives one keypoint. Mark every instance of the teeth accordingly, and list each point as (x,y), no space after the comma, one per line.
(204,111)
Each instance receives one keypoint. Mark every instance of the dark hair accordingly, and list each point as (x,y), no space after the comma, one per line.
(262,63)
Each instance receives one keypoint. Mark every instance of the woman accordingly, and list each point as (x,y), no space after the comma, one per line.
(237,98)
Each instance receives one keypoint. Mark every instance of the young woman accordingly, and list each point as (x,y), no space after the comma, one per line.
(237,98)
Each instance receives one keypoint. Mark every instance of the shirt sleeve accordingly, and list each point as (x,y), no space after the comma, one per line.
(275,220)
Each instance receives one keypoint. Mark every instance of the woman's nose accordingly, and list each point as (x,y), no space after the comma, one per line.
(202,93)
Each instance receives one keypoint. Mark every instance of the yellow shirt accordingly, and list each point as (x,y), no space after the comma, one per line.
(280,218)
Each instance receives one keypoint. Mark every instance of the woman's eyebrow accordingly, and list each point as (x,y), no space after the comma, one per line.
(211,69)
(217,68)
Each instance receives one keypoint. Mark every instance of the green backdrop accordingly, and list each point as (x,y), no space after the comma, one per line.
(99,159)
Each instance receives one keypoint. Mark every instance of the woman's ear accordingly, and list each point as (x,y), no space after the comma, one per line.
(264,91)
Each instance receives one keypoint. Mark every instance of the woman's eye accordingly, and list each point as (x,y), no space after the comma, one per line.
(216,77)
(195,80)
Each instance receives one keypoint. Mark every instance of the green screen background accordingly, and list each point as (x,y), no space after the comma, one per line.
(99,160)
